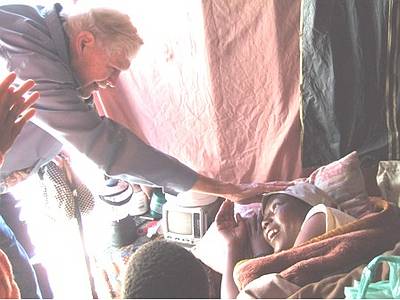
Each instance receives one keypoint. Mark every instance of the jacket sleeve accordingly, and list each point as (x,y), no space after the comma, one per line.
(112,147)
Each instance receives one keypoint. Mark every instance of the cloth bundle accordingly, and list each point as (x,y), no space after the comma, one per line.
(338,250)
(59,195)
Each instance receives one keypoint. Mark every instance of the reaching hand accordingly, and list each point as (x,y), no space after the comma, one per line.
(258,244)
(244,193)
(251,192)
(233,231)
(15,111)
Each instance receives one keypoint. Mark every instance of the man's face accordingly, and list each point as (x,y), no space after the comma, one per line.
(282,219)
(94,68)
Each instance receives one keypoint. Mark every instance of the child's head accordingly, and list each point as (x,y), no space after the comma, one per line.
(161,269)
(285,211)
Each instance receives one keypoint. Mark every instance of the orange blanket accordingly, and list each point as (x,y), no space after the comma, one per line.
(337,251)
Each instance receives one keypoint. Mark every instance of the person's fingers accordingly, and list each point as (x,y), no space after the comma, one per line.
(227,205)
(20,106)
(6,104)
(23,88)
(31,100)
(230,212)
(224,217)
(10,97)
(220,216)
(58,160)
(6,82)
(26,116)
(69,173)
(13,103)
(5,90)
(239,218)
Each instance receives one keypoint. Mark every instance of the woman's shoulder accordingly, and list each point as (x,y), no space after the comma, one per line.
(333,217)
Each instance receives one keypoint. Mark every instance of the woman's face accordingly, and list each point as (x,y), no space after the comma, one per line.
(283,216)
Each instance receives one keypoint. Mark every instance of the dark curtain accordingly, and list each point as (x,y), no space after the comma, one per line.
(350,80)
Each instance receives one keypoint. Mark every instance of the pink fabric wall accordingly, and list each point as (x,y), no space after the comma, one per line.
(254,58)
(216,85)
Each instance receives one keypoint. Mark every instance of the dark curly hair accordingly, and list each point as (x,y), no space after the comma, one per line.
(161,269)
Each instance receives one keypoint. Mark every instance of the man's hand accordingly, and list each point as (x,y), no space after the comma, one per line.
(63,161)
(15,111)
(244,193)
(251,192)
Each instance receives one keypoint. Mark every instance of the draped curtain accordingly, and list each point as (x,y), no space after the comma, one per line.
(350,82)
(216,85)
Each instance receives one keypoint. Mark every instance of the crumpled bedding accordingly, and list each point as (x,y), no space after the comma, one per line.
(337,251)
(332,287)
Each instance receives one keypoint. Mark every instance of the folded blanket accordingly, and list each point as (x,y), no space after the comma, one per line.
(337,251)
(332,287)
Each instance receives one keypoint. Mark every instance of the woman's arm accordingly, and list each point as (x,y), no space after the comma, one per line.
(234,233)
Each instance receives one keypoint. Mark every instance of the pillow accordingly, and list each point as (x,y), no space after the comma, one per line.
(211,249)
(388,178)
(343,181)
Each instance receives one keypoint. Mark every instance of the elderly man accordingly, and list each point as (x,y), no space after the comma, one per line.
(69,57)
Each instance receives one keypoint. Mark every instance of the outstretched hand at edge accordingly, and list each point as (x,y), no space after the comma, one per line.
(15,110)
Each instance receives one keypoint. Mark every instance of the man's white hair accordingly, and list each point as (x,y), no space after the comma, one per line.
(111,28)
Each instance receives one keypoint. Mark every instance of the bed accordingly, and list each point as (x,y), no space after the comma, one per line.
(324,265)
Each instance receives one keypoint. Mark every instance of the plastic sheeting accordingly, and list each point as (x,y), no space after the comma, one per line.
(350,89)
(216,85)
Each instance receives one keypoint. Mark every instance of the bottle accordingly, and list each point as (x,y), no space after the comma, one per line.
(139,203)
(156,204)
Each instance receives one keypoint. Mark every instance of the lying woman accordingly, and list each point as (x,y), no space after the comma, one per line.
(289,218)
(303,257)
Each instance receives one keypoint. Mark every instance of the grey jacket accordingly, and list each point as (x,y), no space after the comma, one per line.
(34,44)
